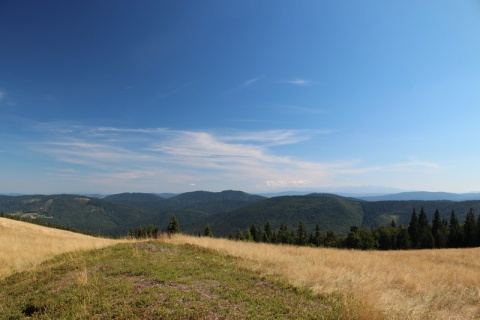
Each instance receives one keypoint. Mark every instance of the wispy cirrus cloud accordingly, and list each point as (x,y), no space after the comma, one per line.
(299,82)
(144,158)
(252,81)
(245,84)
(148,154)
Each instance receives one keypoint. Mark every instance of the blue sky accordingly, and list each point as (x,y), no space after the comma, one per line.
(259,96)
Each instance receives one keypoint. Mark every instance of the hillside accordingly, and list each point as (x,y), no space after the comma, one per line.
(226,212)
(26,245)
(117,214)
(330,212)
(78,212)
(382,212)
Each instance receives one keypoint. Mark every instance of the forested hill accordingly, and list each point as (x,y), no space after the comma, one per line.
(117,214)
(200,201)
(226,212)
(329,211)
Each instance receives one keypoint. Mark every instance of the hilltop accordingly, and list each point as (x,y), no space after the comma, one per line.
(143,280)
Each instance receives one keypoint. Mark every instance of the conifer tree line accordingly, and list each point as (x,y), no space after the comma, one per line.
(418,234)
(153,231)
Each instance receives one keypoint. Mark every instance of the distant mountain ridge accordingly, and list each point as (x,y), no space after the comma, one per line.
(229,211)
(423,195)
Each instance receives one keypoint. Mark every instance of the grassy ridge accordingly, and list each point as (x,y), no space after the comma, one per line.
(156,280)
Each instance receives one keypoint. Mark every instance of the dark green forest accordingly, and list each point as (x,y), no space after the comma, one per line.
(314,219)
(418,234)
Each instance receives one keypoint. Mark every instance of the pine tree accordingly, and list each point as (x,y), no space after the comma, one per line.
(240,235)
(248,235)
(478,231)
(403,238)
(439,231)
(454,232)
(413,229)
(256,233)
(470,230)
(301,238)
(331,239)
(267,235)
(173,226)
(284,235)
(318,236)
(425,238)
(208,231)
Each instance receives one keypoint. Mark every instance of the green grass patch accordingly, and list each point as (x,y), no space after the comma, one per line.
(154,280)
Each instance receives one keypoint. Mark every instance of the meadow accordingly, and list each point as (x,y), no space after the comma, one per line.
(48,273)
(414,284)
(26,245)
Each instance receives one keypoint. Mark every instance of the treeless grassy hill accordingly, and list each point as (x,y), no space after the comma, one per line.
(25,245)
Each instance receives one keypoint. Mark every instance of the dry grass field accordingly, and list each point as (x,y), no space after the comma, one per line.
(423,284)
(24,245)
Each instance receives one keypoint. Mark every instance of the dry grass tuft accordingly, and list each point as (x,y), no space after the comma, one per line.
(26,245)
(423,284)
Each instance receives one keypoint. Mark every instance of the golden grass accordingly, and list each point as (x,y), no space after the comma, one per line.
(25,245)
(423,284)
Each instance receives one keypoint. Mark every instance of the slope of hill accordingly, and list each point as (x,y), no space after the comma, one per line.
(226,211)
(147,201)
(117,214)
(26,245)
(91,215)
(330,212)
(382,212)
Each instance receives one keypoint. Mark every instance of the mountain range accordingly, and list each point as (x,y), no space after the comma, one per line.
(229,211)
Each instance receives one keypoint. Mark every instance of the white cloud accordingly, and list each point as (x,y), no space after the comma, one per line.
(146,156)
(252,81)
(299,82)
(413,164)
(2,95)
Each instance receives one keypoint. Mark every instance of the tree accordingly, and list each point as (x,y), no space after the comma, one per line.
(240,235)
(267,235)
(413,229)
(248,235)
(478,231)
(317,237)
(439,231)
(284,235)
(331,239)
(208,231)
(360,239)
(256,233)
(470,230)
(173,226)
(403,238)
(425,238)
(454,232)
(301,238)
